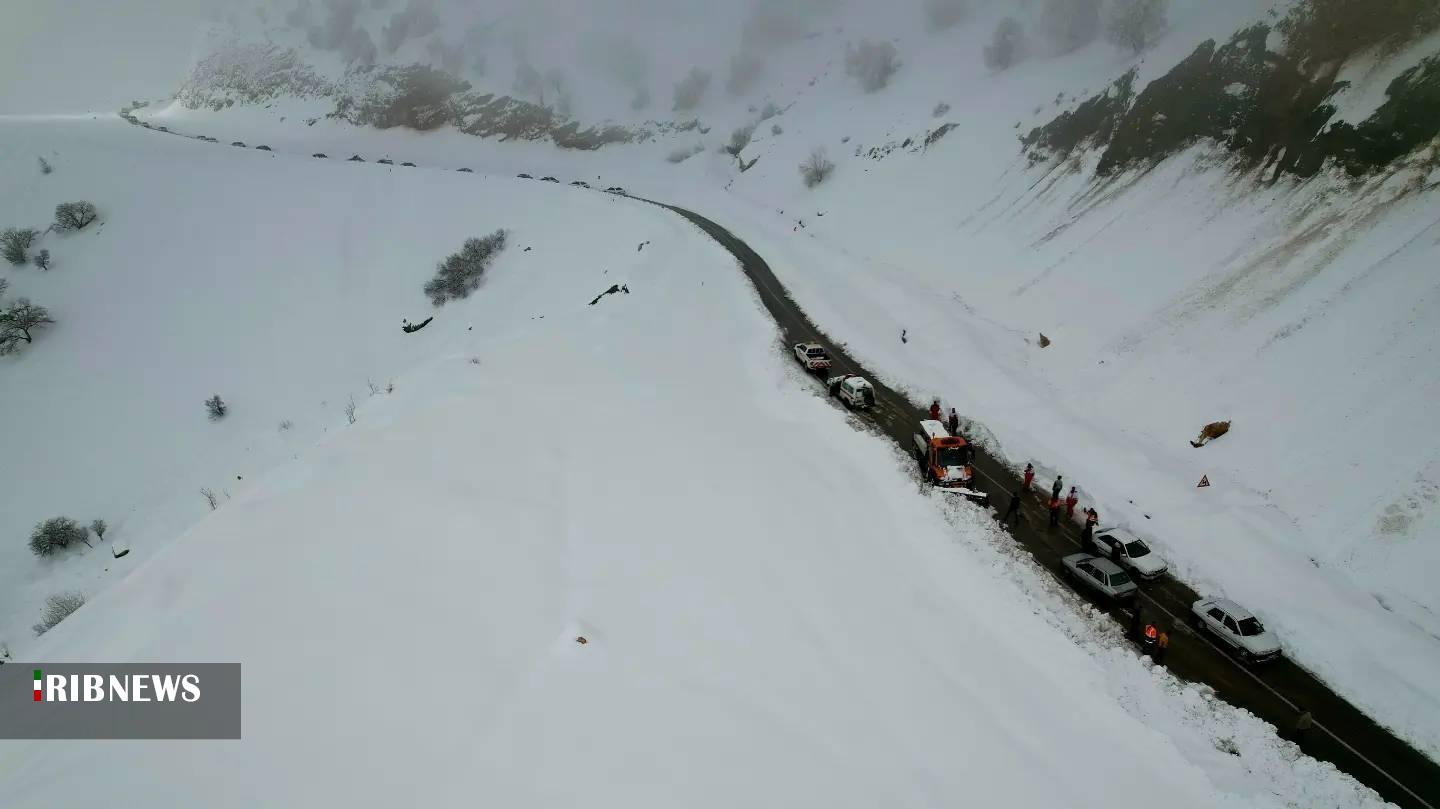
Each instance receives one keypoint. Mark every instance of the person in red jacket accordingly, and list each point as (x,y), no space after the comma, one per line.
(935,410)
(954,423)
(1070,501)
(1029,476)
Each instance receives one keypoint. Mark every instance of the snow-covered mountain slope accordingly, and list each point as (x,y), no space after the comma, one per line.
(762,590)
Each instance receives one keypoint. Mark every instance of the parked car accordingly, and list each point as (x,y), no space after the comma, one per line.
(1236,628)
(355,158)
(548,180)
(385,161)
(239,143)
(320,155)
(1100,575)
(524,176)
(853,390)
(615,189)
(465,170)
(812,356)
(411,165)
(580,183)
(262,147)
(163,128)
(1128,551)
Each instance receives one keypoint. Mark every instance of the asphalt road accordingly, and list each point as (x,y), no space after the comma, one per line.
(1274,691)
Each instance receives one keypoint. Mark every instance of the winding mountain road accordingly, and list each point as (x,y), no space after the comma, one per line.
(1275,692)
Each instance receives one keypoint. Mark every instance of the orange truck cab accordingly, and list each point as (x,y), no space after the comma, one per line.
(945,460)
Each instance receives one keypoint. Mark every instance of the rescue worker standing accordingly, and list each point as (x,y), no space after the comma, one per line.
(954,423)
(1070,502)
(1054,512)
(1013,510)
(935,410)
(1029,476)
(1161,645)
(1091,517)
(1057,486)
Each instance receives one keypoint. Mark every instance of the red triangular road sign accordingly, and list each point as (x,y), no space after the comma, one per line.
(1204,481)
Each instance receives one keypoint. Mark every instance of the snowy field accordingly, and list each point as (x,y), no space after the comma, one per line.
(772,611)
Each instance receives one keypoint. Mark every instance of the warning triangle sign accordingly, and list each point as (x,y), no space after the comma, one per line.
(1204,481)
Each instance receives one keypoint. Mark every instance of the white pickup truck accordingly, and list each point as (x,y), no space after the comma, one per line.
(812,356)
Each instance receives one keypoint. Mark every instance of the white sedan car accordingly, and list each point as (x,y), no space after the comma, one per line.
(1128,551)
(1236,628)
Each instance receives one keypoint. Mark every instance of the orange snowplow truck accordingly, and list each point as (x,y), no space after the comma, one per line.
(945,460)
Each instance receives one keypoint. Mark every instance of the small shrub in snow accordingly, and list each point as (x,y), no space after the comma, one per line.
(459,274)
(57,608)
(775,129)
(942,15)
(739,139)
(99,527)
(816,168)
(871,63)
(940,109)
(1135,24)
(55,534)
(74,215)
(216,407)
(211,498)
(350,410)
(1006,46)
(690,90)
(286,425)
(15,241)
(45,167)
(42,259)
(17,322)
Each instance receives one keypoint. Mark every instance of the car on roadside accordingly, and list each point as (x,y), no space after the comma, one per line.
(615,189)
(1236,628)
(411,165)
(548,180)
(262,147)
(855,391)
(1129,551)
(320,155)
(1100,576)
(523,176)
(385,161)
(579,183)
(355,158)
(813,356)
(463,170)
(238,143)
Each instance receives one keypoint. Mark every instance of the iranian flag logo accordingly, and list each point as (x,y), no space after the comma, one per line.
(39,691)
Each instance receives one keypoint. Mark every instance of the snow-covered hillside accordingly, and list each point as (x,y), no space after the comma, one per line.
(544,470)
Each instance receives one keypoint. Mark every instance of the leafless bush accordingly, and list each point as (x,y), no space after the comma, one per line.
(286,425)
(1007,46)
(739,139)
(216,407)
(74,215)
(211,498)
(817,168)
(374,388)
(42,259)
(18,321)
(942,15)
(690,90)
(459,274)
(350,410)
(775,129)
(940,109)
(99,527)
(45,167)
(871,63)
(15,241)
(58,607)
(55,534)
(1135,24)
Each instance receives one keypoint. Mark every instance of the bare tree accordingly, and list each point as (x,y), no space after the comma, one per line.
(216,407)
(56,533)
(18,321)
(42,259)
(211,498)
(350,410)
(45,167)
(58,607)
(1135,24)
(74,215)
(871,63)
(99,527)
(1007,46)
(775,129)
(817,168)
(690,90)
(15,241)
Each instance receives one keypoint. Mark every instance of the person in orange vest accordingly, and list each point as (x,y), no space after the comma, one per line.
(1054,511)
(1160,646)
(1029,476)
(1150,638)
(935,410)
(1091,517)
(1070,501)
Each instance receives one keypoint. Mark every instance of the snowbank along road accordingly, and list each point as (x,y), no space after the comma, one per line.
(1276,692)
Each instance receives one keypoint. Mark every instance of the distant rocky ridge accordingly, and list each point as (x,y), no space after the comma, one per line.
(411,96)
